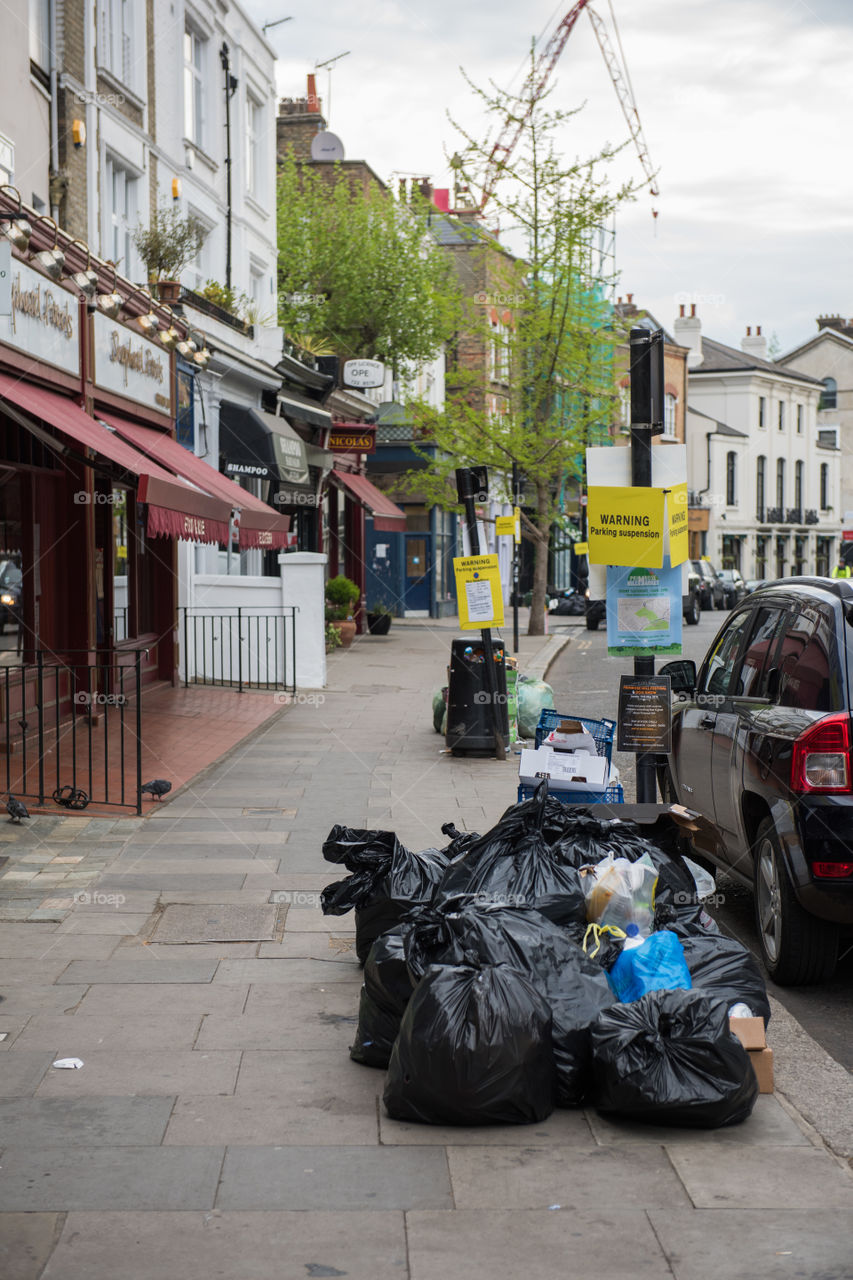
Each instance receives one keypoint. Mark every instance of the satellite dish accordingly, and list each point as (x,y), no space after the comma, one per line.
(327,146)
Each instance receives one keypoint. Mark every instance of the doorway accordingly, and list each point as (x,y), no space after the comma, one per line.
(418,579)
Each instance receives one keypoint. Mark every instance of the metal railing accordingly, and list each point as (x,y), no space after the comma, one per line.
(72,728)
(248,647)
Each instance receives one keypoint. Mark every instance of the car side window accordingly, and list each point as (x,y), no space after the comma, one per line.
(755,667)
(809,670)
(719,666)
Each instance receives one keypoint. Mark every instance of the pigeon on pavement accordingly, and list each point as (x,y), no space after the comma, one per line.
(15,809)
(157,787)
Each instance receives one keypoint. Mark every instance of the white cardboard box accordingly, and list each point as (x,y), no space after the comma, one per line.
(577,771)
(570,735)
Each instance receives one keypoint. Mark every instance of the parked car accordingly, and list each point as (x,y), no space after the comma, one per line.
(734,587)
(10,595)
(761,747)
(596,610)
(712,593)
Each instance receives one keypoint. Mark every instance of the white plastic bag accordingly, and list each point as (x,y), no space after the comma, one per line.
(705,883)
(619,892)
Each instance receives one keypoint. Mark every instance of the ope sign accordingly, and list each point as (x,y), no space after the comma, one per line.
(5,278)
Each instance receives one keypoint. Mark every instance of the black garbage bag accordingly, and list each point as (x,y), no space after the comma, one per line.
(574,987)
(459,842)
(671,1059)
(474,1048)
(385,993)
(721,966)
(386,879)
(685,919)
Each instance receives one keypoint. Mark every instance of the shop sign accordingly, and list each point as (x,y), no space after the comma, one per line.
(478,592)
(43,319)
(130,365)
(5,278)
(364,373)
(352,439)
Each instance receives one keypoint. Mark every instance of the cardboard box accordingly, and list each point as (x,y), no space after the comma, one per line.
(570,735)
(750,1032)
(578,771)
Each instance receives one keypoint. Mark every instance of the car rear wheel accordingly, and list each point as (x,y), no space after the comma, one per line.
(797,948)
(693,612)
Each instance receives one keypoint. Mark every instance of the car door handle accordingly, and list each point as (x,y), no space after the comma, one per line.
(708,722)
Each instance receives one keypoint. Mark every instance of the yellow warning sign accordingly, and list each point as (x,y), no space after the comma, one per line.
(581,548)
(625,526)
(516,515)
(478,592)
(677,521)
(505,526)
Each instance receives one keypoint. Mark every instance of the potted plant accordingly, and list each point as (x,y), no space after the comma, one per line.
(333,637)
(379,618)
(166,246)
(341,597)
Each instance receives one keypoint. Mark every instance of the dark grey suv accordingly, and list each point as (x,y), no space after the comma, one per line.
(761,746)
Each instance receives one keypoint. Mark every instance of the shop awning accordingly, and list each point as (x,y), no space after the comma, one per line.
(260,444)
(175,508)
(387,516)
(303,409)
(260,526)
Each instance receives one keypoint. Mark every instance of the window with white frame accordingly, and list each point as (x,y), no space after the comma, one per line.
(39,34)
(121,206)
(7,161)
(781,415)
(200,270)
(670,405)
(254,118)
(800,419)
(762,411)
(194,66)
(119,42)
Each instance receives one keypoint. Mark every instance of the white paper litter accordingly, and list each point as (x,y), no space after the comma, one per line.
(70,1063)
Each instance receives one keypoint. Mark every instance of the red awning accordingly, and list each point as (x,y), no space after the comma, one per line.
(387,517)
(260,526)
(175,508)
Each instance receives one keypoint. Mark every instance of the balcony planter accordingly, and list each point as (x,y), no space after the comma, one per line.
(168,290)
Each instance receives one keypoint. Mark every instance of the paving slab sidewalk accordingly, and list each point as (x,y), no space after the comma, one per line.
(218,1127)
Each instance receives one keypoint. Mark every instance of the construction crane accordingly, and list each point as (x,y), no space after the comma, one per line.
(537,79)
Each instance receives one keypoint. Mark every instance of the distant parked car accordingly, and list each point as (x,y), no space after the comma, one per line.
(10,595)
(735,587)
(596,610)
(712,593)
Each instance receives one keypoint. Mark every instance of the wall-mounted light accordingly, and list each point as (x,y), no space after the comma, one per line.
(17,229)
(176,188)
(148,321)
(87,279)
(52,260)
(202,358)
(109,304)
(170,337)
(187,348)
(78,133)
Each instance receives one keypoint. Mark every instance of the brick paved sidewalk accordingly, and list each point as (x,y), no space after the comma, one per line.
(218,1127)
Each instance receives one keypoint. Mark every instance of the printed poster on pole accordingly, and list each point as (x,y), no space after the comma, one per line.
(478,592)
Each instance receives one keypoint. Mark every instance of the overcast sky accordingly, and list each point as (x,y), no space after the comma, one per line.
(745,105)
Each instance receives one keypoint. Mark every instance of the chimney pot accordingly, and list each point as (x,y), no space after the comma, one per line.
(619,302)
(758,330)
(630,297)
(693,308)
(681,309)
(749,331)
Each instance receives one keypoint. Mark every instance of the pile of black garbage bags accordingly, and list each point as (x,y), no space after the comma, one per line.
(560,959)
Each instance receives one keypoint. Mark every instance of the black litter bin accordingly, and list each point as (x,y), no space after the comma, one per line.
(470,722)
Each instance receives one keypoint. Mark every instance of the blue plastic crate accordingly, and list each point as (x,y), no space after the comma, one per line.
(612,795)
(601,730)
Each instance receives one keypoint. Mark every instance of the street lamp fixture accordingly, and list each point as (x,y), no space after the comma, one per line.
(52,260)
(87,279)
(18,230)
(109,304)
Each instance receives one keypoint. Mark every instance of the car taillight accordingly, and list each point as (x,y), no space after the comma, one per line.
(832,870)
(821,758)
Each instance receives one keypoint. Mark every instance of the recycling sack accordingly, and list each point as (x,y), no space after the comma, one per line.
(671,1059)
(658,964)
(474,1048)
(721,966)
(384,995)
(533,697)
(619,892)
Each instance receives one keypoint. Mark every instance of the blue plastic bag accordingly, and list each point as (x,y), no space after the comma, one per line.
(658,964)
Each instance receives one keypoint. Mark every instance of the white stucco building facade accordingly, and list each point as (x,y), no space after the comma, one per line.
(764,479)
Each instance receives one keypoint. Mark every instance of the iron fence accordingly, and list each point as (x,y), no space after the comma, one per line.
(72,729)
(240,648)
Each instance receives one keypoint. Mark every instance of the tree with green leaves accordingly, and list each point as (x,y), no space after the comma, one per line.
(357,270)
(544,385)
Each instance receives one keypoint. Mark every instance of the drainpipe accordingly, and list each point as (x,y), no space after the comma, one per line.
(54,112)
(230,89)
